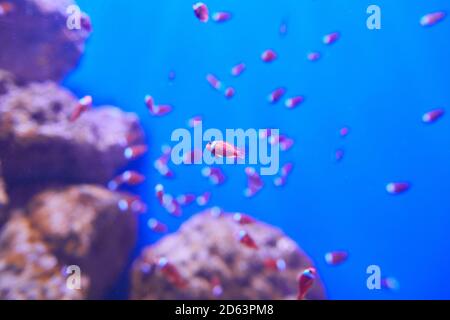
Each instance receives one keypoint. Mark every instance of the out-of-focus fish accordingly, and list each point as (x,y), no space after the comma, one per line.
(243,218)
(276,95)
(201,11)
(238,69)
(293,102)
(215,175)
(274,264)
(83,105)
(132,203)
(186,199)
(284,173)
(214,81)
(157,226)
(269,56)
(202,200)
(433,115)
(131,178)
(344,131)
(397,187)
(221,17)
(313,56)
(336,257)
(135,152)
(156,110)
(247,240)
(254,182)
(339,154)
(390,283)
(331,38)
(431,19)
(195,121)
(305,282)
(222,149)
(216,286)
(229,92)
(159,192)
(283,29)
(171,273)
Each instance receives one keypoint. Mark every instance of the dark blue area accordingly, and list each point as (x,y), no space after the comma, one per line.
(379,83)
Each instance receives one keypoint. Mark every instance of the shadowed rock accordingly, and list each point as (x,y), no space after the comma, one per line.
(206,251)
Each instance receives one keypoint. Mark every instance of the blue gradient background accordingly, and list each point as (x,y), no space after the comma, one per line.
(377,82)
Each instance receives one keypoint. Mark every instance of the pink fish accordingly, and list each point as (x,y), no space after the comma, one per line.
(201,11)
(132,203)
(344,131)
(254,182)
(268,56)
(186,199)
(274,264)
(238,69)
(135,152)
(339,154)
(229,92)
(390,283)
(157,226)
(221,17)
(215,175)
(433,115)
(336,257)
(431,19)
(84,104)
(171,273)
(293,102)
(313,56)
(397,187)
(159,192)
(131,178)
(203,199)
(171,205)
(305,282)
(247,240)
(214,81)
(331,38)
(156,110)
(285,142)
(276,95)
(243,218)
(160,164)
(222,149)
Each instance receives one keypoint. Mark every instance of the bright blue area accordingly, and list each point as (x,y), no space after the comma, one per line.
(379,83)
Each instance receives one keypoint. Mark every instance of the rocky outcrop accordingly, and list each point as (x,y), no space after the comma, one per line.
(212,263)
(39,143)
(37,44)
(28,269)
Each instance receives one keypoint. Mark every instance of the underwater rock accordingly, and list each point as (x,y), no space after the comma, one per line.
(85,226)
(38,142)
(7,82)
(208,262)
(40,45)
(28,269)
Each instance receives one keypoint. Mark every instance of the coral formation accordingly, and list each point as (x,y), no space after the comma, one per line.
(207,254)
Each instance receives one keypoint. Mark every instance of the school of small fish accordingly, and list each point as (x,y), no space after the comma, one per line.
(215,175)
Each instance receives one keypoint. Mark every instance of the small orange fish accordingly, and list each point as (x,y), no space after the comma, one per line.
(247,240)
(336,257)
(242,218)
(131,178)
(132,203)
(305,282)
(84,104)
(222,149)
(275,264)
(157,226)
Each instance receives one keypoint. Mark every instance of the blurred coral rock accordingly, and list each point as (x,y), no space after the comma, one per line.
(206,252)
(28,269)
(85,226)
(38,142)
(7,82)
(38,42)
